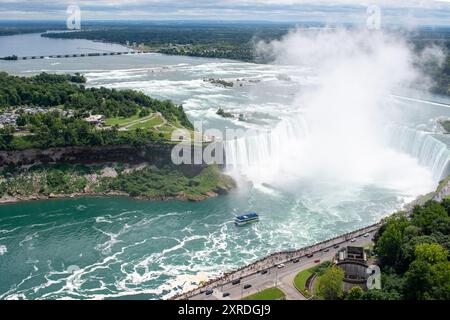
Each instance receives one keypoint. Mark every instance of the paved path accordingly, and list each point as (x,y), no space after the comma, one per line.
(286,285)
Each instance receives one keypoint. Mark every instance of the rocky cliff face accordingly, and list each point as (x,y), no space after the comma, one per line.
(154,154)
(157,153)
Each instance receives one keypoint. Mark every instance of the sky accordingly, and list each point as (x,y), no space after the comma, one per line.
(405,12)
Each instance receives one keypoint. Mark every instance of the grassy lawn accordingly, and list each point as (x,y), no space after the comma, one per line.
(168,130)
(147,124)
(267,294)
(301,278)
(121,121)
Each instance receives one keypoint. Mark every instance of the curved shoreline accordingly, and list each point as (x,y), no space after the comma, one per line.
(12,200)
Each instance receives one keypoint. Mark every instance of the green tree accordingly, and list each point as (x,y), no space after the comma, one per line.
(355,293)
(144,113)
(389,244)
(429,216)
(376,294)
(418,280)
(431,252)
(409,247)
(331,284)
(441,281)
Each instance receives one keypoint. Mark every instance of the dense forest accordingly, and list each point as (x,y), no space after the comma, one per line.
(439,73)
(11,28)
(441,76)
(413,255)
(232,41)
(68,101)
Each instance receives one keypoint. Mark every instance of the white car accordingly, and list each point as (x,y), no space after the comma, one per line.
(366,235)
(281,265)
(353,240)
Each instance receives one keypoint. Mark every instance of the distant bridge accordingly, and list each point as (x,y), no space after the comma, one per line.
(76,55)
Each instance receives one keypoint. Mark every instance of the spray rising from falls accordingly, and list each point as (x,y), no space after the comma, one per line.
(336,129)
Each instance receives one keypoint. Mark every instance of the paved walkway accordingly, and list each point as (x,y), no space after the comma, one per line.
(287,286)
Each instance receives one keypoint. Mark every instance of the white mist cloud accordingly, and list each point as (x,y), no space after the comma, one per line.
(433,54)
(348,112)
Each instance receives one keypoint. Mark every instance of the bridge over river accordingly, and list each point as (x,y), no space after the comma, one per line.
(75,55)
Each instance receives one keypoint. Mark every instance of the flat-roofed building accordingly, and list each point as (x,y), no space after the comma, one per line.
(353,260)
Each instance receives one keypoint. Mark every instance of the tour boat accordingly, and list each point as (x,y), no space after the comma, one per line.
(246,219)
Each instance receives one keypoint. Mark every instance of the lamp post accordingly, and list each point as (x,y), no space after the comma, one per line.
(276,276)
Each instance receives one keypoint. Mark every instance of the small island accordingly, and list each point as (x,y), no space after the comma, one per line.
(220,82)
(446,125)
(224,114)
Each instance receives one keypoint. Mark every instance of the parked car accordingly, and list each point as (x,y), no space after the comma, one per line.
(295,260)
(326,250)
(281,265)
(317,261)
(310,255)
(336,246)
(246,286)
(236,281)
(209,292)
(263,272)
(366,235)
(353,240)
(225,294)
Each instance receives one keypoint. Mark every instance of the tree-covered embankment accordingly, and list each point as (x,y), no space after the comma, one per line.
(140,181)
(52,125)
(51,110)
(413,253)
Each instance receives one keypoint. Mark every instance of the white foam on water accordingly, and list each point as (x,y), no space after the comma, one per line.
(102,219)
(28,238)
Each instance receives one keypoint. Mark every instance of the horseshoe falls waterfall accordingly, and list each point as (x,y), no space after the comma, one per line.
(259,152)
(426,148)
(262,156)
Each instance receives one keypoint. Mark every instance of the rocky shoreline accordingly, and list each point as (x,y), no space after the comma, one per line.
(41,197)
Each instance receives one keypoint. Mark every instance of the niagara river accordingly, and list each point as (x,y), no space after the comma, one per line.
(290,173)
